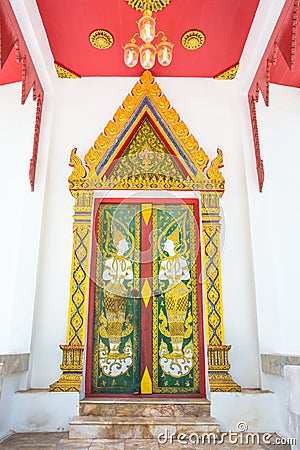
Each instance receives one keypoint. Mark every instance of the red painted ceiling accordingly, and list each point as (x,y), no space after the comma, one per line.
(225,23)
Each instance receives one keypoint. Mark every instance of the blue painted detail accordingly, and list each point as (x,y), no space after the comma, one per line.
(145,102)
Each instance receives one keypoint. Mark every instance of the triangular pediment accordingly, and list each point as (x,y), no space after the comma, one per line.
(147,152)
(146,145)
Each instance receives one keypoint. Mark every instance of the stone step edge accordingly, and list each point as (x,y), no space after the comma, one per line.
(159,420)
(141,401)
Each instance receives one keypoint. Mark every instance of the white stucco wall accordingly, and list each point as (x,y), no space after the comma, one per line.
(9,386)
(279,134)
(16,130)
(274,217)
(82,109)
(20,232)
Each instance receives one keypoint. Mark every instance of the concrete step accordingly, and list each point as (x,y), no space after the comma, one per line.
(145,407)
(95,427)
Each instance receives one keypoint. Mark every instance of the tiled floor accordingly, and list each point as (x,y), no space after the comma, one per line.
(60,441)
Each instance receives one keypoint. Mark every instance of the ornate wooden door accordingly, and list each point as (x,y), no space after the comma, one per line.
(145,314)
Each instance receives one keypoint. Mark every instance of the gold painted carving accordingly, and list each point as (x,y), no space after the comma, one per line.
(71,366)
(145,87)
(79,284)
(146,292)
(150,5)
(113,327)
(146,212)
(213,173)
(82,186)
(218,366)
(192,39)
(62,72)
(101,39)
(147,181)
(79,171)
(218,369)
(229,74)
(146,382)
(146,153)
(212,272)
(180,319)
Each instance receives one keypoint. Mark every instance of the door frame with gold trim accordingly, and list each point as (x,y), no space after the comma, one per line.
(146,373)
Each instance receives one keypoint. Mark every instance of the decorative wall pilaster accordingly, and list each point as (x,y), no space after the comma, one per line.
(72,362)
(218,366)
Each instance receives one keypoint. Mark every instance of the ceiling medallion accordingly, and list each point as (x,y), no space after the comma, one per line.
(101,39)
(193,39)
(150,5)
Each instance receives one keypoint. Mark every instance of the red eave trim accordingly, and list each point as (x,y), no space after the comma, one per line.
(283,39)
(11,36)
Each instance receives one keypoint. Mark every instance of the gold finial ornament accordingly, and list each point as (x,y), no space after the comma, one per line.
(79,171)
(101,39)
(193,39)
(213,172)
(150,5)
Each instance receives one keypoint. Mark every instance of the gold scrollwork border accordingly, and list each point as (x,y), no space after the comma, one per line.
(70,379)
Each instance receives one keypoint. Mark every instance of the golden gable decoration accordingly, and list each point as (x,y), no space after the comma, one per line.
(146,87)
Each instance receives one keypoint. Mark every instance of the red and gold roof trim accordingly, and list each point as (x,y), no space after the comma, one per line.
(62,72)
(11,37)
(229,74)
(283,41)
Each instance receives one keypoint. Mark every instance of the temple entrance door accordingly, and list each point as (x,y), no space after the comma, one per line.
(145,333)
